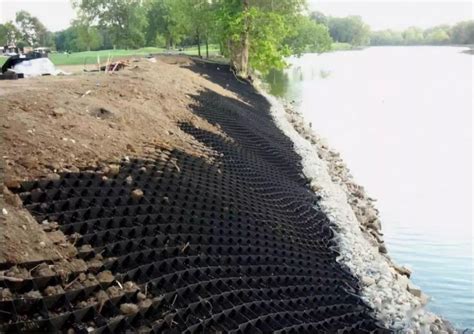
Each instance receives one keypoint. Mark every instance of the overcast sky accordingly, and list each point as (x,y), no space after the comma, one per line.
(381,14)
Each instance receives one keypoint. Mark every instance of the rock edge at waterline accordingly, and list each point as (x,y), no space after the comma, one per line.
(386,287)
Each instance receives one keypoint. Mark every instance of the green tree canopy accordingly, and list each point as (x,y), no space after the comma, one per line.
(9,34)
(463,33)
(164,21)
(350,30)
(32,32)
(261,33)
(125,20)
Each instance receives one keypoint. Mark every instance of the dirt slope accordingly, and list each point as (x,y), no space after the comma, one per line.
(51,125)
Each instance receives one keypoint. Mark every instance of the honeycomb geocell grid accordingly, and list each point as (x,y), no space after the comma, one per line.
(234,243)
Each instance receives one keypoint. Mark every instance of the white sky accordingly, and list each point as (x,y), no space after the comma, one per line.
(399,15)
(380,14)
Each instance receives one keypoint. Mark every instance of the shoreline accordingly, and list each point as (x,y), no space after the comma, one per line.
(358,227)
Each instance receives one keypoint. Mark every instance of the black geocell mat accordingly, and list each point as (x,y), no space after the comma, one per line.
(235,244)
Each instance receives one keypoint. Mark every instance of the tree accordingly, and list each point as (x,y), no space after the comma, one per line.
(349,29)
(386,37)
(3,35)
(413,36)
(197,19)
(87,37)
(253,33)
(163,19)
(124,20)
(436,36)
(9,34)
(319,17)
(309,36)
(65,40)
(32,31)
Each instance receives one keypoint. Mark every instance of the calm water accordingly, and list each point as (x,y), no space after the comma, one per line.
(401,118)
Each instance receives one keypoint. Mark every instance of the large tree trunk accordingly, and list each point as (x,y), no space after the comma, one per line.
(244,61)
(239,50)
(199,43)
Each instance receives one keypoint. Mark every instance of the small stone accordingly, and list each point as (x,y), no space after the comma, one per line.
(141,296)
(403,281)
(414,290)
(4,211)
(137,194)
(129,286)
(5,294)
(424,298)
(382,249)
(105,277)
(12,182)
(34,294)
(44,270)
(144,304)
(113,170)
(402,270)
(53,290)
(28,162)
(367,281)
(53,176)
(129,180)
(131,148)
(59,111)
(128,308)
(74,169)
(85,248)
(12,199)
(42,244)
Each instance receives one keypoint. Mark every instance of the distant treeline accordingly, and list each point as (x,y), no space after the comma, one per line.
(461,33)
(354,31)
(253,34)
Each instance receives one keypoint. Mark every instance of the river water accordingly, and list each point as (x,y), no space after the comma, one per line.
(401,117)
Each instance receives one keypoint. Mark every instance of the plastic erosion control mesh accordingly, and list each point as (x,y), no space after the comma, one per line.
(232,244)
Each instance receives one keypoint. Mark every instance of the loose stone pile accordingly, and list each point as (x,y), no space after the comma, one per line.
(386,286)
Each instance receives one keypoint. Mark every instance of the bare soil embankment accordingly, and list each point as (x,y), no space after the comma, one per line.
(164,198)
(52,125)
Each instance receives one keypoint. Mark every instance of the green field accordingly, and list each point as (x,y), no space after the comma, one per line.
(91,57)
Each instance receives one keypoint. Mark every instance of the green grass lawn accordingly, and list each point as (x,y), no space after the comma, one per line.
(90,57)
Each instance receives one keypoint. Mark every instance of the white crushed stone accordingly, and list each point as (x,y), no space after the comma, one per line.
(382,288)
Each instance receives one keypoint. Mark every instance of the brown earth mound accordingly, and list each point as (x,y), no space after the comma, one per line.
(58,124)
